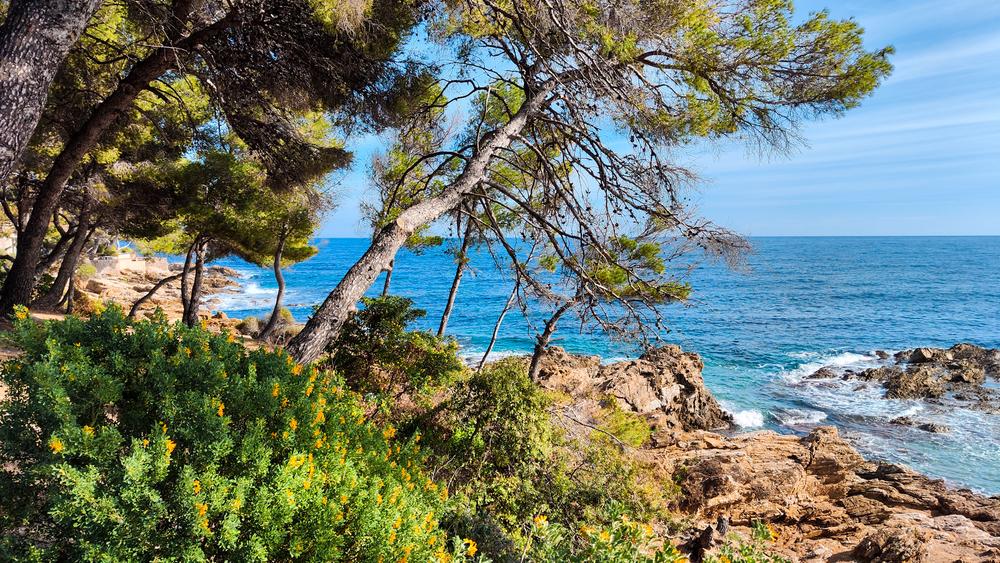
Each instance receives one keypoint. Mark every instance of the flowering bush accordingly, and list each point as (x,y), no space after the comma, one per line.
(140,441)
(623,540)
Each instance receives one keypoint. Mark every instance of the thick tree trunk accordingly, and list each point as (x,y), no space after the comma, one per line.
(388,277)
(34,39)
(280,278)
(462,260)
(194,300)
(20,279)
(496,326)
(326,323)
(543,339)
(57,250)
(67,269)
(149,294)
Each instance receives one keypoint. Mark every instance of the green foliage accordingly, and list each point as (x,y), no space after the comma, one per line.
(382,360)
(621,541)
(736,550)
(128,441)
(507,463)
(627,426)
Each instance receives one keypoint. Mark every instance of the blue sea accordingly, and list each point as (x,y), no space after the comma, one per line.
(803,303)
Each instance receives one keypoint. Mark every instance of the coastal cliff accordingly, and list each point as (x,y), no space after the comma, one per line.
(825,500)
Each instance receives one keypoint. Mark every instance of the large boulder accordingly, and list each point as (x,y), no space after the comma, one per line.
(920,381)
(892,545)
(666,385)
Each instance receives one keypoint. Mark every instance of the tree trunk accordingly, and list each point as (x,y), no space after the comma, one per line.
(542,341)
(69,264)
(194,301)
(185,284)
(20,279)
(388,277)
(34,39)
(459,270)
(326,323)
(49,259)
(149,294)
(280,278)
(496,326)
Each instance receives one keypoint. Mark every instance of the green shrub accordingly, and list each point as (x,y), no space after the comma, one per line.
(496,443)
(249,326)
(736,550)
(86,271)
(382,360)
(621,541)
(629,427)
(124,441)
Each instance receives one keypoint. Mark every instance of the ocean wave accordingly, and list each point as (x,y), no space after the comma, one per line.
(838,361)
(744,418)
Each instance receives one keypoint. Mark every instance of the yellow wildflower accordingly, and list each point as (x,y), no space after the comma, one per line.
(237,503)
(296,369)
(773,530)
(222,408)
(170,446)
(309,390)
(202,508)
(431,540)
(293,424)
(725,559)
(145,442)
(56,445)
(389,432)
(88,430)
(343,499)
(541,521)
(392,536)
(196,485)
(605,536)
(471,549)
(320,418)
(21,313)
(275,390)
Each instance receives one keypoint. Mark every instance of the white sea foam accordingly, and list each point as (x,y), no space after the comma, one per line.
(744,418)
(798,417)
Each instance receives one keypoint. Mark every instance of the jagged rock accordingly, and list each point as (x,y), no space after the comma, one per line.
(918,382)
(220,315)
(822,373)
(566,372)
(967,372)
(666,385)
(882,354)
(97,286)
(892,545)
(883,373)
(925,426)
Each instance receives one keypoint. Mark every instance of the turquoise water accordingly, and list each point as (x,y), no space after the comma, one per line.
(806,302)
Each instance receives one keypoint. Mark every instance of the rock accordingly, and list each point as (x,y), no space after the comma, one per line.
(882,354)
(220,315)
(666,385)
(966,371)
(568,373)
(822,373)
(888,545)
(883,373)
(97,286)
(923,355)
(917,382)
(925,426)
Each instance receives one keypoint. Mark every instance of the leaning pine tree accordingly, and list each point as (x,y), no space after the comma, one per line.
(567,81)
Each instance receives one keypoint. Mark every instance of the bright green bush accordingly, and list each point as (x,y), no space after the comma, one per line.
(621,541)
(736,550)
(383,360)
(124,441)
(507,462)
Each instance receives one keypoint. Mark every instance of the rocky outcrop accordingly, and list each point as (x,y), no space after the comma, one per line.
(664,385)
(825,498)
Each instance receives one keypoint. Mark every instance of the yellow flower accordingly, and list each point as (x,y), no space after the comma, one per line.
(605,536)
(20,313)
(56,445)
(237,503)
(541,521)
(471,549)
(275,390)
(431,540)
(309,390)
(88,430)
(170,446)
(306,484)
(320,418)
(773,530)
(202,508)
(222,408)
(293,424)
(163,426)
(145,442)
(343,499)
(196,485)
(389,432)
(392,536)
(725,559)
(296,369)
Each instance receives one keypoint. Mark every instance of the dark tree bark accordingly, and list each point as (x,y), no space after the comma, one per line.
(326,323)
(57,250)
(67,269)
(20,279)
(496,326)
(388,277)
(149,294)
(272,322)
(194,300)
(185,284)
(34,39)
(543,339)
(462,260)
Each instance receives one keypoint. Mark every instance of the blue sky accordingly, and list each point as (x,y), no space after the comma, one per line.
(920,157)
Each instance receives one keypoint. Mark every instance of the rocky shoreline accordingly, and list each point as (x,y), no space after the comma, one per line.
(827,502)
